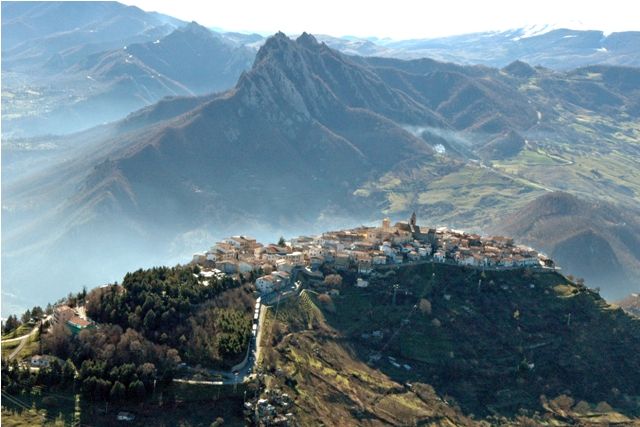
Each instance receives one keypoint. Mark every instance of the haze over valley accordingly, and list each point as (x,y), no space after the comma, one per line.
(307,138)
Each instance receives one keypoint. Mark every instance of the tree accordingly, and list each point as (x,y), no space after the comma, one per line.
(425,306)
(57,341)
(89,386)
(582,407)
(327,302)
(37,312)
(150,320)
(26,316)
(137,390)
(117,391)
(562,402)
(103,388)
(68,372)
(281,242)
(55,372)
(11,324)
(333,280)
(603,407)
(147,374)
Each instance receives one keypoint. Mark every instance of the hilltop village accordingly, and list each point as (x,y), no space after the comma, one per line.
(363,250)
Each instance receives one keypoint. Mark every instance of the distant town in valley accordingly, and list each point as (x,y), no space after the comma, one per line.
(363,250)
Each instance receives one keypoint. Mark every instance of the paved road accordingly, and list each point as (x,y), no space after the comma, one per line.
(205,382)
(263,313)
(227,377)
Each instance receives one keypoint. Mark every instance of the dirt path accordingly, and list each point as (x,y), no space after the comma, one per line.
(21,337)
(15,352)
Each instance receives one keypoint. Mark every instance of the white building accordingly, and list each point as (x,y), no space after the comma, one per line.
(295,258)
(284,265)
(39,361)
(424,251)
(361,283)
(245,267)
(265,284)
(379,260)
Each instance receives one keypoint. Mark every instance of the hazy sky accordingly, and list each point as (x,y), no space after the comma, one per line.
(399,19)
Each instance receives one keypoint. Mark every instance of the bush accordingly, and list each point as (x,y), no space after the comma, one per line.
(603,407)
(327,302)
(582,407)
(562,402)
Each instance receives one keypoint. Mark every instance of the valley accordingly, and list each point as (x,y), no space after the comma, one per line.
(349,138)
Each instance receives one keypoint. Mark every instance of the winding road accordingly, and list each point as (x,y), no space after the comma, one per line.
(23,341)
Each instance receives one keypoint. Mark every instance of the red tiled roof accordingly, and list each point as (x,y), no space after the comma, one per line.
(79,321)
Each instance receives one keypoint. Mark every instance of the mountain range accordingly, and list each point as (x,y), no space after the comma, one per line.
(68,78)
(545,45)
(597,239)
(68,67)
(313,137)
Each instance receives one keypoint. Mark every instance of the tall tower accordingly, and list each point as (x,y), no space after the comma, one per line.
(386,224)
(412,221)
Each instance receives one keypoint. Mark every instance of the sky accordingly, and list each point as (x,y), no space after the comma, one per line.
(398,19)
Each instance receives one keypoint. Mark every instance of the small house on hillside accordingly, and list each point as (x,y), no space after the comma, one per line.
(39,361)
(62,313)
(77,324)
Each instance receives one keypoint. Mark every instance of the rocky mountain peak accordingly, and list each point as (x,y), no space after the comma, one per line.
(307,40)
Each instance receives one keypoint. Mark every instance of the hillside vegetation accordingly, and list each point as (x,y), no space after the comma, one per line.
(458,346)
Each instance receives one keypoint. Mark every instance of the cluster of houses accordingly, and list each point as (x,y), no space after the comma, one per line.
(273,409)
(363,249)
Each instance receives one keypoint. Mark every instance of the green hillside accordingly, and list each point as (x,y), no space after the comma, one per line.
(492,346)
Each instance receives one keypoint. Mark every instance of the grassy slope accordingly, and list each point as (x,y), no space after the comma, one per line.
(331,384)
(30,348)
(477,355)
